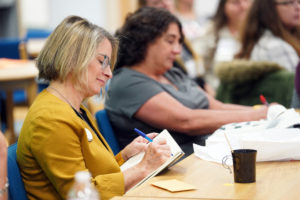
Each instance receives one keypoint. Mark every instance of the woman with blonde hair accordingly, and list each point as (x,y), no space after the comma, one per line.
(271,33)
(59,136)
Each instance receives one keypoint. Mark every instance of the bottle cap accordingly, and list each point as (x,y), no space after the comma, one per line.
(83,177)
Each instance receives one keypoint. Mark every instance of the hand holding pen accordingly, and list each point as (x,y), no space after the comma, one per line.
(138,145)
(142,134)
(156,153)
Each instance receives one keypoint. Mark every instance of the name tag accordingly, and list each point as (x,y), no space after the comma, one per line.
(88,135)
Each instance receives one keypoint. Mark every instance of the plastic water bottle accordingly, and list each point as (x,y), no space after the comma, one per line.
(82,188)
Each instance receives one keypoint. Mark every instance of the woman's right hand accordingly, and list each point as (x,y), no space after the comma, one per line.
(156,154)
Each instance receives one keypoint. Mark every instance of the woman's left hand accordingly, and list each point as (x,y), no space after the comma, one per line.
(136,146)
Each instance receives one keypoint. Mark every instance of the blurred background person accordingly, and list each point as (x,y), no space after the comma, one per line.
(3,168)
(271,33)
(59,136)
(166,4)
(148,93)
(192,22)
(220,40)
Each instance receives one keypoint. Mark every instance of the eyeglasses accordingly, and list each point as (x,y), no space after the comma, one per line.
(104,61)
(288,2)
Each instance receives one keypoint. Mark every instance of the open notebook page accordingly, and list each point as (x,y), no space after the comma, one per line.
(175,149)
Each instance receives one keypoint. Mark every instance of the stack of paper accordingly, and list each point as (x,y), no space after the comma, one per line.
(274,138)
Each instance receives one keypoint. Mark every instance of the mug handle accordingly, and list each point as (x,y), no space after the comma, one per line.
(225,165)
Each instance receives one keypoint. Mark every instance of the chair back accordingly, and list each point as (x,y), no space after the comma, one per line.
(107,131)
(12,48)
(9,48)
(37,33)
(16,186)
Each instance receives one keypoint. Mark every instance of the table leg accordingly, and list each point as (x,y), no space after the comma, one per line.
(10,117)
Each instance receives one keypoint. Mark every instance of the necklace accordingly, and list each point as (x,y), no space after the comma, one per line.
(60,94)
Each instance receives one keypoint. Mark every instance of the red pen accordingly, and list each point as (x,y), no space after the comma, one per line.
(263,100)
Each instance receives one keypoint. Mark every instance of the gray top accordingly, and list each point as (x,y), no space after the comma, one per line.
(129,90)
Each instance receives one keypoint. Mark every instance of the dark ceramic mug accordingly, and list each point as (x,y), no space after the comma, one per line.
(244,165)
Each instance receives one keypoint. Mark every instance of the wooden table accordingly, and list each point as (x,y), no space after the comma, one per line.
(16,74)
(274,180)
(151,198)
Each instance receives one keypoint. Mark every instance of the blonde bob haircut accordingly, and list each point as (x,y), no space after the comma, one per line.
(70,48)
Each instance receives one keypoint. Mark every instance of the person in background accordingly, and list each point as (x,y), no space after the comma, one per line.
(59,136)
(166,4)
(192,23)
(296,93)
(3,168)
(187,61)
(271,33)
(220,41)
(148,93)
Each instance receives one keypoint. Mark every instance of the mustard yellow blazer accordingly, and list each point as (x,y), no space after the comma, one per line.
(54,144)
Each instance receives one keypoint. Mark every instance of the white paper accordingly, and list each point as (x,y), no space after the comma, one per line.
(272,138)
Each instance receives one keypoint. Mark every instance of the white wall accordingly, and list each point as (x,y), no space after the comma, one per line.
(34,13)
(93,10)
(49,13)
(205,8)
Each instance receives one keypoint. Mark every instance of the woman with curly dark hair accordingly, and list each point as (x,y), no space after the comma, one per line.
(146,92)
(137,47)
(188,61)
(271,32)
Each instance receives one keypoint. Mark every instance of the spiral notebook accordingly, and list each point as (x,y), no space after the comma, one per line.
(176,152)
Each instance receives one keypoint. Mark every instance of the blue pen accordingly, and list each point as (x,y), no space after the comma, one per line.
(142,134)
